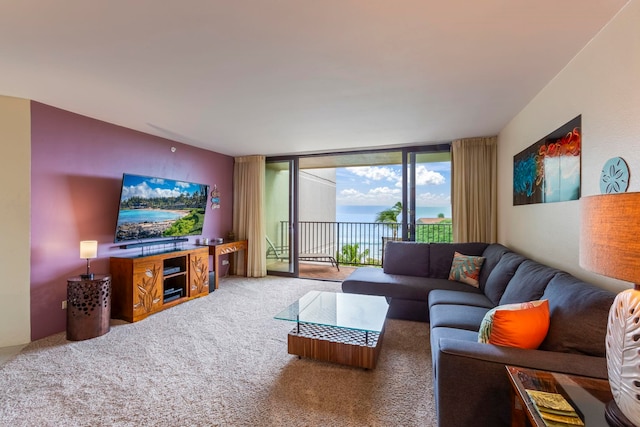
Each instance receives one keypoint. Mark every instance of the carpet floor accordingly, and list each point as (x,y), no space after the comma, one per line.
(220,360)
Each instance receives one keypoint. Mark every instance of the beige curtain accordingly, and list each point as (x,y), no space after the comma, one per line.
(248,211)
(474,189)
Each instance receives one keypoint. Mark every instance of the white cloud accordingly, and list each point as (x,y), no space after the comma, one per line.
(384,191)
(427,177)
(389,194)
(376,196)
(424,176)
(431,199)
(350,192)
(376,173)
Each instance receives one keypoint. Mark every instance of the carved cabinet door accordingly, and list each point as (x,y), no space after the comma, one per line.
(199,273)
(147,288)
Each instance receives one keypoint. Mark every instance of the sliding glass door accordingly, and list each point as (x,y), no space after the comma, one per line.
(281,216)
(344,207)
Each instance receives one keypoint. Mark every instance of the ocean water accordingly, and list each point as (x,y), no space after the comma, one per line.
(146,215)
(356,213)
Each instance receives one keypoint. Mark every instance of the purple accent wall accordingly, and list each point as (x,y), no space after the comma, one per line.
(76,173)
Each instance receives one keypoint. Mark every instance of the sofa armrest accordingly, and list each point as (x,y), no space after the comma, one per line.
(568,363)
(474,373)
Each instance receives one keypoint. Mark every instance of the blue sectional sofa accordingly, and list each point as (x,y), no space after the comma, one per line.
(470,381)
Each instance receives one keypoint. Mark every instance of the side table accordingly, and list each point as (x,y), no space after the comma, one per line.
(88,307)
(588,396)
(217,249)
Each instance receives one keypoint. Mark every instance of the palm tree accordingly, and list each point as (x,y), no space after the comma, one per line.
(390,216)
(351,254)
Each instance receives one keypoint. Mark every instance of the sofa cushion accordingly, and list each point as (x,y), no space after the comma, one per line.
(500,276)
(445,296)
(579,313)
(407,258)
(441,256)
(374,281)
(466,269)
(457,316)
(522,325)
(528,282)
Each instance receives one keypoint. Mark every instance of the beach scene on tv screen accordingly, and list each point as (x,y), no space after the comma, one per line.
(158,207)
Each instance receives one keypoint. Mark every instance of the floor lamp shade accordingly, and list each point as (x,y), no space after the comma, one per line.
(610,245)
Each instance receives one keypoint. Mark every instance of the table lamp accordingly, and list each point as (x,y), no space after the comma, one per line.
(610,245)
(88,251)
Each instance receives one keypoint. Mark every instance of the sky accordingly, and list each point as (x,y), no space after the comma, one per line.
(382,185)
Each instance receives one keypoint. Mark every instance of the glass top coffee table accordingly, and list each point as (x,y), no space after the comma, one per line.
(336,327)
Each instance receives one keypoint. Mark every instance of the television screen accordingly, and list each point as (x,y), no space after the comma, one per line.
(159,208)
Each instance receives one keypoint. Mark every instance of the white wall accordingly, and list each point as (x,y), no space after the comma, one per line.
(317,195)
(277,202)
(603,84)
(15,218)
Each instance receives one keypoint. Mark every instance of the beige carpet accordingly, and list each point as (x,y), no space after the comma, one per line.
(217,360)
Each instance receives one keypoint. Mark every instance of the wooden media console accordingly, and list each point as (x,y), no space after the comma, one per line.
(143,285)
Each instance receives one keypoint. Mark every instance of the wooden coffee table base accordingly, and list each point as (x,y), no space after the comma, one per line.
(336,345)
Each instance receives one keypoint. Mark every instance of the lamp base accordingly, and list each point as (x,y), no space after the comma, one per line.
(87,276)
(615,417)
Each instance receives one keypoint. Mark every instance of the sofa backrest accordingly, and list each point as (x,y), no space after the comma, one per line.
(427,259)
(579,315)
(528,283)
(492,255)
(441,256)
(407,258)
(500,275)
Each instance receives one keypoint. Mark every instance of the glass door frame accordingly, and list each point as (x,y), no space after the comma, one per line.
(292,210)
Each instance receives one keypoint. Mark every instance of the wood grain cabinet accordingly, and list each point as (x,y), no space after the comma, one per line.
(143,285)
(199,273)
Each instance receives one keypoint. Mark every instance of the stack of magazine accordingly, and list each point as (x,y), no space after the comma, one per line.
(554,409)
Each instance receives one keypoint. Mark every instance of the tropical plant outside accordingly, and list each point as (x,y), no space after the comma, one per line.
(390,217)
(435,233)
(432,234)
(350,254)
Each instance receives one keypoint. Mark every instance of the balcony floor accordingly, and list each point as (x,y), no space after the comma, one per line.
(317,270)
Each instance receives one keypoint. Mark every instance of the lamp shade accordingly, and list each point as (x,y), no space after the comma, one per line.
(610,235)
(89,249)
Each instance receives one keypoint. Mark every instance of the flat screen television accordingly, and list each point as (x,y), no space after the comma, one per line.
(153,208)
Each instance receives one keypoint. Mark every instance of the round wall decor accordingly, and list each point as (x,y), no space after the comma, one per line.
(614,177)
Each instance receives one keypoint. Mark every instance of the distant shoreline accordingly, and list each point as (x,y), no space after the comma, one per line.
(367,213)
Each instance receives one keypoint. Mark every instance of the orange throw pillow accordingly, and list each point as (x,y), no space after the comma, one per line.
(523,325)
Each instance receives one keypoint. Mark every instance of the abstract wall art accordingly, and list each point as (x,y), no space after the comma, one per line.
(549,170)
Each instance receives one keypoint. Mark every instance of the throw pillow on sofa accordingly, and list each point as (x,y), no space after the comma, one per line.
(522,325)
(466,269)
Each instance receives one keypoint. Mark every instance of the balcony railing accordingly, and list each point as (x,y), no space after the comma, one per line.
(356,243)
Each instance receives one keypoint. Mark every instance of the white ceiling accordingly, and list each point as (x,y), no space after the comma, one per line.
(293,76)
